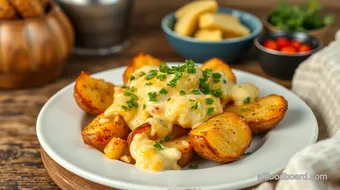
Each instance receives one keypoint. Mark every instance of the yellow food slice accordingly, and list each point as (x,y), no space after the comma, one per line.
(187,24)
(230,25)
(189,7)
(263,114)
(209,35)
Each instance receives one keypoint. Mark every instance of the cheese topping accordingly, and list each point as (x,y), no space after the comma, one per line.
(164,96)
(147,157)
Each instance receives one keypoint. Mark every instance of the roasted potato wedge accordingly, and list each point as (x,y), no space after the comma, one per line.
(184,146)
(263,114)
(223,138)
(177,131)
(137,62)
(31,8)
(116,148)
(7,11)
(101,130)
(92,95)
(218,65)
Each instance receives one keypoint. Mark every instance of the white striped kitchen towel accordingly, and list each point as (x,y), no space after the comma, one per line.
(317,82)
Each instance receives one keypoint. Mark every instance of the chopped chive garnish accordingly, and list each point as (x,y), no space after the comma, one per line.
(209,100)
(211,111)
(157,146)
(197,92)
(182,92)
(246,100)
(194,107)
(163,91)
(152,96)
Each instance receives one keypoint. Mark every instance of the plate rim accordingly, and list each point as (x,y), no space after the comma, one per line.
(122,184)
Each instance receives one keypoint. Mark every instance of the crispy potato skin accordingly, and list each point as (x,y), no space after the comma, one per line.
(31,8)
(177,131)
(263,114)
(115,148)
(102,129)
(186,149)
(218,65)
(223,138)
(138,62)
(92,95)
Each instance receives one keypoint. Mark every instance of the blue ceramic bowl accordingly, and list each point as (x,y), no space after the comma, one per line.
(230,50)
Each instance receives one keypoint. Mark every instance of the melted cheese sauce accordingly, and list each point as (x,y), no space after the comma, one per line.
(143,151)
(183,104)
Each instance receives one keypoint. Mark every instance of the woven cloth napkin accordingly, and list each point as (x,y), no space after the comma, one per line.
(317,82)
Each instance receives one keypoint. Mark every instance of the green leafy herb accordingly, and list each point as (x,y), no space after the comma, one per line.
(169,99)
(124,87)
(152,96)
(173,82)
(247,153)
(132,78)
(124,108)
(193,166)
(190,66)
(182,92)
(131,102)
(151,74)
(167,138)
(144,106)
(224,81)
(211,111)
(161,77)
(163,91)
(164,68)
(197,92)
(148,83)
(194,107)
(157,146)
(217,92)
(142,74)
(209,100)
(246,100)
(244,109)
(302,17)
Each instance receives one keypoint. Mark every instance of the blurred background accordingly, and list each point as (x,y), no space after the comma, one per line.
(20,162)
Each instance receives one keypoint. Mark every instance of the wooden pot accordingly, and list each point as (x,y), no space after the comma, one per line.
(33,50)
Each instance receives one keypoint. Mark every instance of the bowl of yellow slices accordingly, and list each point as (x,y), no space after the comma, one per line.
(201,30)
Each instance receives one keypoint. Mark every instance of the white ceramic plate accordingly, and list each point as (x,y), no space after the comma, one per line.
(59,132)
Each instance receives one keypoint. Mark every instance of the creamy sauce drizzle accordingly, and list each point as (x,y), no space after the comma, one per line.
(183,104)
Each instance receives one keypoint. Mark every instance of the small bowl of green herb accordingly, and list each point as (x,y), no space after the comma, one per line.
(306,18)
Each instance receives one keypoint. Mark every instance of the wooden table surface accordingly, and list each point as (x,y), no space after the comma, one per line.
(20,162)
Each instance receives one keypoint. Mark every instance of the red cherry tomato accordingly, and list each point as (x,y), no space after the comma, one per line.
(283,42)
(295,44)
(304,48)
(288,49)
(271,44)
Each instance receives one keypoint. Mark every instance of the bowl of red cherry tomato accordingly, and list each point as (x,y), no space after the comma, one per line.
(280,53)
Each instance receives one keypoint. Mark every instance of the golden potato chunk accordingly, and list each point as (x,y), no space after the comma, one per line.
(230,25)
(189,7)
(102,129)
(138,62)
(183,145)
(188,23)
(218,65)
(116,148)
(209,35)
(263,114)
(7,11)
(92,95)
(177,131)
(223,138)
(28,8)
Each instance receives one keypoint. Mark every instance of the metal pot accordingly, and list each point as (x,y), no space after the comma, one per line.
(101,26)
